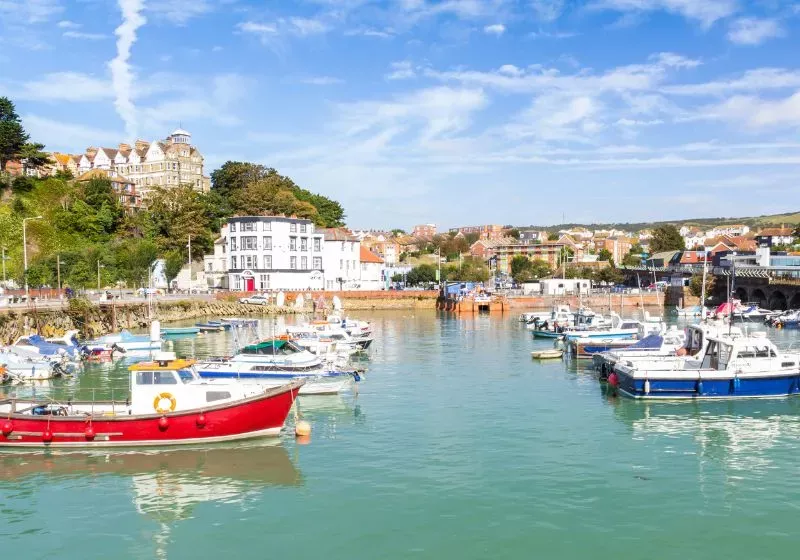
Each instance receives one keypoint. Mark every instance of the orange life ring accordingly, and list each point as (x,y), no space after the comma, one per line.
(161,397)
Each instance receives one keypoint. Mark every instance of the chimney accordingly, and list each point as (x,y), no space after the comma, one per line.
(141,144)
(91,151)
(124,147)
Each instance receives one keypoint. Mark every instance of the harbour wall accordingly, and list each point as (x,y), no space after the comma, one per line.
(93,320)
(598,302)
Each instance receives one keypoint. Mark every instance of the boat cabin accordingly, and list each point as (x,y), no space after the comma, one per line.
(744,354)
(272,347)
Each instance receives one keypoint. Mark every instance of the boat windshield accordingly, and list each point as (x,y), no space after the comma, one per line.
(185,375)
(272,348)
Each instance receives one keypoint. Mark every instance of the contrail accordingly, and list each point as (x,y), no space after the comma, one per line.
(121,74)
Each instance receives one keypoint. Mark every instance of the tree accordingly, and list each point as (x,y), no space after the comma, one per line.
(609,275)
(173,263)
(397,232)
(12,135)
(513,233)
(525,270)
(605,255)
(422,274)
(666,238)
(33,156)
(552,237)
(696,285)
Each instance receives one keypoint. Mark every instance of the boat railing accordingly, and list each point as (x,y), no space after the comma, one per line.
(83,396)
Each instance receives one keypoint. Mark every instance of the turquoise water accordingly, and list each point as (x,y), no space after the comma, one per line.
(456,446)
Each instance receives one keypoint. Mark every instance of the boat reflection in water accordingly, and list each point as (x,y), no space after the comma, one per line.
(743,435)
(167,484)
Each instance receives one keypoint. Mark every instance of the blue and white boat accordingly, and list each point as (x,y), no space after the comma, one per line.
(730,367)
(125,341)
(651,346)
(23,365)
(275,362)
(619,329)
(38,344)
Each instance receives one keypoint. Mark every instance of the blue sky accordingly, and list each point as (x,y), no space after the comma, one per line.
(455,112)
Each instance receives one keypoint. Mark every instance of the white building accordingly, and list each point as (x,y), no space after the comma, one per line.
(216,264)
(729,229)
(372,270)
(274,253)
(342,256)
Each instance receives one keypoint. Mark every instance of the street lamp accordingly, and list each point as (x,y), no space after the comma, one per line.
(99,266)
(25,251)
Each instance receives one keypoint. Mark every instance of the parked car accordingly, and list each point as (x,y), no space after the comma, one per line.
(257,299)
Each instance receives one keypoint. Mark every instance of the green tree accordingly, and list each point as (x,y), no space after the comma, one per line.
(173,263)
(175,214)
(552,237)
(398,232)
(609,275)
(422,274)
(12,135)
(605,255)
(666,238)
(33,156)
(513,233)
(696,285)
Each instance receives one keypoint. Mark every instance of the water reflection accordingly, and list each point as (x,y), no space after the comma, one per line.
(739,434)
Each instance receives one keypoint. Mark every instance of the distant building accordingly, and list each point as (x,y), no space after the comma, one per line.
(550,252)
(342,255)
(769,237)
(215,265)
(424,231)
(618,247)
(123,187)
(529,235)
(372,273)
(730,229)
(492,231)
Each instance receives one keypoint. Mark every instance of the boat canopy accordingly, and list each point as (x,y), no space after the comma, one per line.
(272,347)
(650,342)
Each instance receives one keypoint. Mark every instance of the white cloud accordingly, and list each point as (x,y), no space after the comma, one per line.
(401,70)
(179,11)
(754,31)
(756,113)
(308,26)
(386,33)
(67,86)
(320,80)
(758,79)
(495,29)
(558,117)
(258,28)
(552,34)
(87,36)
(625,122)
(705,12)
(547,10)
(510,70)
(66,24)
(68,136)
(29,11)
(121,72)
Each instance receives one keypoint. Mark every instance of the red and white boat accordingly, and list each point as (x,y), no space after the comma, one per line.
(169,405)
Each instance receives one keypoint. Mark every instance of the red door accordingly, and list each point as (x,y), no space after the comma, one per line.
(249,284)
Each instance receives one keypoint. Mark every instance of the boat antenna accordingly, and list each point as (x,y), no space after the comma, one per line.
(731,284)
(703,291)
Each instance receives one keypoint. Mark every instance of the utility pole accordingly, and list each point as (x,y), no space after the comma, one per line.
(99,266)
(4,265)
(190,260)
(25,251)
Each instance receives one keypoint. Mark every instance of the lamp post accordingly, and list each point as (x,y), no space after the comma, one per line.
(25,251)
(99,266)
(4,264)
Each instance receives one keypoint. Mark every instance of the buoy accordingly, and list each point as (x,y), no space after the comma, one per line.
(47,436)
(89,433)
(8,427)
(302,429)
(646,386)
(303,440)
(201,420)
(613,379)
(163,423)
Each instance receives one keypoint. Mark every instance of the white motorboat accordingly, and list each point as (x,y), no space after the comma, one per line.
(124,341)
(23,365)
(730,367)
(653,345)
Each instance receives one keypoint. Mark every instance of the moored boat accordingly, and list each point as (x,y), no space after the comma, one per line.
(179,331)
(169,405)
(547,354)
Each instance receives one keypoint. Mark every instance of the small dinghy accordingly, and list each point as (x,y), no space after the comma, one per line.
(547,354)
(179,331)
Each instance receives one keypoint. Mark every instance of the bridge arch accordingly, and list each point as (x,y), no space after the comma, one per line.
(741,294)
(758,296)
(794,303)
(777,300)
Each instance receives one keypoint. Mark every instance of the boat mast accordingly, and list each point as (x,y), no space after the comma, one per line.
(703,292)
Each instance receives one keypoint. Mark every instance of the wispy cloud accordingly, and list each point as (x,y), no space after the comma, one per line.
(29,11)
(547,10)
(179,11)
(320,80)
(401,70)
(754,31)
(552,34)
(495,29)
(759,79)
(83,35)
(385,33)
(705,12)
(121,72)
(66,24)
(68,136)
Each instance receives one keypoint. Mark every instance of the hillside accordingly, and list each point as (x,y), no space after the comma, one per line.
(789,219)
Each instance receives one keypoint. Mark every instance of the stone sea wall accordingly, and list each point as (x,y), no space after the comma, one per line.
(94,320)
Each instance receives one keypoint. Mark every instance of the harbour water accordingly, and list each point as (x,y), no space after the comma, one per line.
(457,445)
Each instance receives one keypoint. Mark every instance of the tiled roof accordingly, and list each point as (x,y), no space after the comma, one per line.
(369,257)
(111,153)
(337,234)
(776,232)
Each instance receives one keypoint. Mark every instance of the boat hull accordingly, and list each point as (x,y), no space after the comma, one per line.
(259,416)
(546,334)
(587,349)
(727,387)
(321,383)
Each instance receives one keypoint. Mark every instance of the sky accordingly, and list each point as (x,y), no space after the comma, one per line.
(454,112)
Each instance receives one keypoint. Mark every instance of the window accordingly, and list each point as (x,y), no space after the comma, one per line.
(293,227)
(304,243)
(303,263)
(342,245)
(267,226)
(267,243)
(212,396)
(317,243)
(237,282)
(341,264)
(233,226)
(267,261)
(347,265)
(293,263)
(293,244)
(164,378)
(248,226)
(233,262)
(302,228)
(264,281)
(318,263)
(185,375)
(249,243)
(144,377)
(233,244)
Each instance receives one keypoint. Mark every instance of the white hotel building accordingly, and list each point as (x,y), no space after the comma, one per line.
(273,252)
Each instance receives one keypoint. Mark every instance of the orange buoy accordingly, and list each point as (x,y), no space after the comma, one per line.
(302,429)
